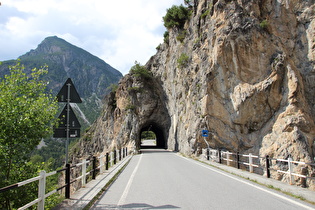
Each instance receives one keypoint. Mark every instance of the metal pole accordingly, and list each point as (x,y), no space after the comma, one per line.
(67,193)
(238,160)
(94,167)
(115,155)
(107,160)
(68,122)
(267,166)
(208,150)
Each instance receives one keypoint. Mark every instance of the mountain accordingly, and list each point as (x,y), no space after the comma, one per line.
(90,75)
(243,70)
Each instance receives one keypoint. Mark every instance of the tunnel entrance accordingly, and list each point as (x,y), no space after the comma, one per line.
(148,139)
(152,136)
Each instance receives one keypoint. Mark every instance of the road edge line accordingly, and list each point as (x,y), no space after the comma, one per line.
(107,185)
(240,179)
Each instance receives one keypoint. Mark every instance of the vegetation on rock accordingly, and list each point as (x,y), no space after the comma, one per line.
(140,71)
(183,61)
(176,16)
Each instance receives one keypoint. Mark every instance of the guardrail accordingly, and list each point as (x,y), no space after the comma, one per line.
(262,165)
(104,163)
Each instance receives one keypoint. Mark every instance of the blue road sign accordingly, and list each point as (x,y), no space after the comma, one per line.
(205,133)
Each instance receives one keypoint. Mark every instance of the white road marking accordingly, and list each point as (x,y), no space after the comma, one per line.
(245,182)
(127,188)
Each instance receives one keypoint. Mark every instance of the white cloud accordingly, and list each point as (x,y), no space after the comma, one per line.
(119,32)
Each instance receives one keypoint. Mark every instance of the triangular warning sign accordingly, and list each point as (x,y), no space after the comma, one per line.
(62,96)
(73,120)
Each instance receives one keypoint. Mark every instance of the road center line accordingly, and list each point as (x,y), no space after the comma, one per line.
(245,182)
(125,193)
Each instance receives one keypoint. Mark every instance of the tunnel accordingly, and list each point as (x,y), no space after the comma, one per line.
(159,132)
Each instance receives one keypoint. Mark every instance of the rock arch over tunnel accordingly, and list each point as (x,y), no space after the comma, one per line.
(159,131)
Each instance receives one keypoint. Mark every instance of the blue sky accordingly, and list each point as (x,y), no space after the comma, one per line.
(118,31)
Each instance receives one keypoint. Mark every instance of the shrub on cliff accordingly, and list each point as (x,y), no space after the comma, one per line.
(176,16)
(166,37)
(183,61)
(140,71)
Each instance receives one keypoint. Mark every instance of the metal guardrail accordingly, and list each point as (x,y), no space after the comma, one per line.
(255,161)
(109,160)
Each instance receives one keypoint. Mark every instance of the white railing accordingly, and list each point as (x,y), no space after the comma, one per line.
(110,159)
(250,162)
(254,161)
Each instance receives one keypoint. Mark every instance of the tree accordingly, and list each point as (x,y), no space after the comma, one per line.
(27,114)
(189,2)
(176,16)
(140,71)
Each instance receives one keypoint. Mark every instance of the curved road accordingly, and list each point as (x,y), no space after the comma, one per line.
(158,179)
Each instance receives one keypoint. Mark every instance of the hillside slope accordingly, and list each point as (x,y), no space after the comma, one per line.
(90,75)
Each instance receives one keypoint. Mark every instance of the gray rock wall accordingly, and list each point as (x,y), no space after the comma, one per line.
(248,77)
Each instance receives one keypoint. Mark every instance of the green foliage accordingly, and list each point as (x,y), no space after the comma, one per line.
(183,60)
(205,14)
(20,196)
(53,149)
(27,114)
(148,135)
(158,47)
(140,71)
(264,24)
(135,89)
(176,16)
(166,37)
(189,2)
(113,88)
(130,107)
(181,36)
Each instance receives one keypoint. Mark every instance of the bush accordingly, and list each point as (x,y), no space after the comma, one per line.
(176,16)
(183,60)
(166,37)
(205,14)
(140,71)
(130,107)
(113,88)
(181,36)
(158,47)
(264,24)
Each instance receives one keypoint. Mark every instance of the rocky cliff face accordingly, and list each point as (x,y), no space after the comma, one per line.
(245,71)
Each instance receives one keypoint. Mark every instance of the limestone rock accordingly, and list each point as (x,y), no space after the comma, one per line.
(249,79)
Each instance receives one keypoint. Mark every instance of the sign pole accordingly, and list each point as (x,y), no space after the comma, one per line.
(205,133)
(69,126)
(68,122)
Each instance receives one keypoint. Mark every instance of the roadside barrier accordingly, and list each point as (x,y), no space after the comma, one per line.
(97,165)
(263,165)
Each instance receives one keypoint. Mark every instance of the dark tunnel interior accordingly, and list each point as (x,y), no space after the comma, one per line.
(159,133)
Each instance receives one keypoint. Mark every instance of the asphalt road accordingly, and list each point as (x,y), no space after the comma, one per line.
(158,179)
